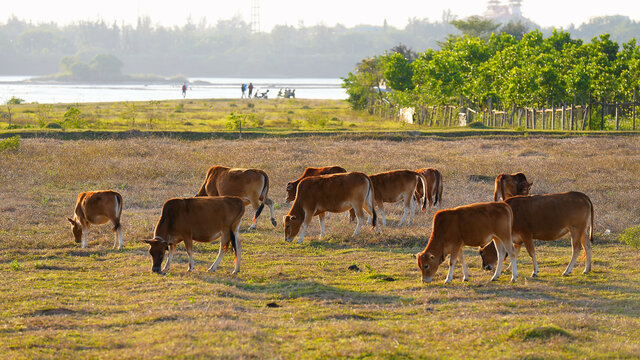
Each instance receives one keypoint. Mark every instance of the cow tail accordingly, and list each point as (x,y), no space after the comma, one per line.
(438,188)
(369,200)
(499,189)
(424,189)
(234,246)
(263,196)
(591,230)
(116,224)
(203,188)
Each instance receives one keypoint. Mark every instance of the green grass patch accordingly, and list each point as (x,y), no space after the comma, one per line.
(545,332)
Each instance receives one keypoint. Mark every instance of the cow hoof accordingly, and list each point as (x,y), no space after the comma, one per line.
(565,273)
(252,227)
(299,242)
(273,221)
(465,279)
(534,275)
(586,272)
(513,280)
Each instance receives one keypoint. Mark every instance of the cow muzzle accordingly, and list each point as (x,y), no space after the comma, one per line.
(156,269)
(426,279)
(488,267)
(288,239)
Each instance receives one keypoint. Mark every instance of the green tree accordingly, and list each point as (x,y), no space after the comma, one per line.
(476,26)
(398,72)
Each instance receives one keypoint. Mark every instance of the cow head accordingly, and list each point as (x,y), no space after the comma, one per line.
(524,188)
(489,256)
(291,192)
(428,264)
(292,224)
(76,228)
(158,247)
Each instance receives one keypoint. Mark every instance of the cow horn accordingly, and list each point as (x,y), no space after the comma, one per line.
(71,220)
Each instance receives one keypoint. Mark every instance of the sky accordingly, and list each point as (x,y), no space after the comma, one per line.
(557,13)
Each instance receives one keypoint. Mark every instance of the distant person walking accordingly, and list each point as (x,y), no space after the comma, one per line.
(250,89)
(184,90)
(244,90)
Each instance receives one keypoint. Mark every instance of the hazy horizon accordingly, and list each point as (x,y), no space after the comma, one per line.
(546,13)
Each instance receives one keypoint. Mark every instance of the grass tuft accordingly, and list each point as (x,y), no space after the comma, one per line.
(539,333)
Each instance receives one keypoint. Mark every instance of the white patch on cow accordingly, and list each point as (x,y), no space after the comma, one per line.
(85,240)
(303,229)
(322,219)
(465,269)
(168,264)
(452,265)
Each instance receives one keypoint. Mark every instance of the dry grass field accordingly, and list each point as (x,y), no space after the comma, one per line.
(60,301)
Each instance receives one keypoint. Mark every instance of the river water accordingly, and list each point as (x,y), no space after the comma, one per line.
(218,88)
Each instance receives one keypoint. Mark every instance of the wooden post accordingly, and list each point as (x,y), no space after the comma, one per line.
(571,117)
(617,118)
(633,108)
(544,116)
(533,117)
(602,112)
(553,115)
(564,110)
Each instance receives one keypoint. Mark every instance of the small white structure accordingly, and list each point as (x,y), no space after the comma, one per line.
(407,115)
(462,119)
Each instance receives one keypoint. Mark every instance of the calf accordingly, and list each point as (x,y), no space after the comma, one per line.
(97,208)
(548,217)
(329,193)
(434,186)
(292,186)
(396,185)
(470,225)
(250,184)
(511,185)
(201,219)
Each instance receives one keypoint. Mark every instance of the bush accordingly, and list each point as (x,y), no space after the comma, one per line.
(73,118)
(13,126)
(631,237)
(12,143)
(15,101)
(53,125)
(476,125)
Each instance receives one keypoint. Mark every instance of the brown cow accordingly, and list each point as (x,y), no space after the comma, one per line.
(548,217)
(396,185)
(470,225)
(329,193)
(201,219)
(292,186)
(97,208)
(508,185)
(250,184)
(434,186)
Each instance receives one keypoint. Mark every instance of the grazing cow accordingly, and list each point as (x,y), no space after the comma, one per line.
(434,186)
(250,184)
(96,208)
(470,225)
(508,185)
(292,186)
(329,193)
(396,185)
(201,219)
(548,217)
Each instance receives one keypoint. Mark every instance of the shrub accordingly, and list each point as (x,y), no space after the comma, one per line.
(53,125)
(12,143)
(15,101)
(13,126)
(631,237)
(477,125)
(73,118)
(179,108)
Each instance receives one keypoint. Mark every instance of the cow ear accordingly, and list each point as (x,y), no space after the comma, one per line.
(292,217)
(531,183)
(150,241)
(71,220)
(431,257)
(415,256)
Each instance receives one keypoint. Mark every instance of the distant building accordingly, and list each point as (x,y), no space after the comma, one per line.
(500,13)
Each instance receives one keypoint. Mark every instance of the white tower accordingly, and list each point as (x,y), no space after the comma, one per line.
(515,5)
(255,16)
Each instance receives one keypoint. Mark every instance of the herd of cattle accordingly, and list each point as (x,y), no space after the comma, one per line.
(498,228)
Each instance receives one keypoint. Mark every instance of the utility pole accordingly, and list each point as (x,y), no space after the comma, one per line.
(255,16)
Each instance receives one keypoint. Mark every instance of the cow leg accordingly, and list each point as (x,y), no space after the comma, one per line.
(513,258)
(452,263)
(119,243)
(586,245)
(188,244)
(255,203)
(238,253)
(360,216)
(223,240)
(85,240)
(412,209)
(465,269)
(528,244)
(303,229)
(575,251)
(501,251)
(172,249)
(322,216)
(269,203)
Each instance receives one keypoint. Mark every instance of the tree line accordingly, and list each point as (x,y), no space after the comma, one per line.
(524,82)
(228,48)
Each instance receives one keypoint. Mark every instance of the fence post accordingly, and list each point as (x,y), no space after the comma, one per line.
(633,107)
(617,118)
(602,119)
(564,109)
(553,115)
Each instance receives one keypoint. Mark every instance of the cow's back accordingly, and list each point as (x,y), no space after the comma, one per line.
(328,191)
(545,216)
(225,181)
(388,185)
(473,223)
(199,217)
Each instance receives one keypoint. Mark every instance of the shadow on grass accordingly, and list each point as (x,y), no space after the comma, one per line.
(306,289)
